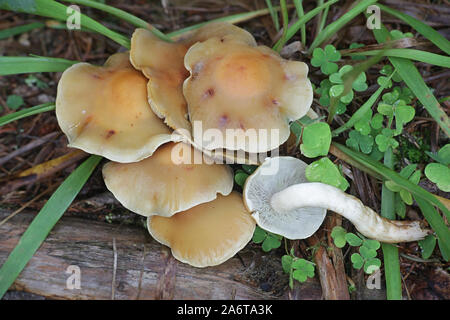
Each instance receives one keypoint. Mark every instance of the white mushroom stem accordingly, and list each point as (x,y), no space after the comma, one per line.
(366,221)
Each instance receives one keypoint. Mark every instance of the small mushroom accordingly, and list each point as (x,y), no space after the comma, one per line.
(274,175)
(287,199)
(244,92)
(104,111)
(208,234)
(163,64)
(167,182)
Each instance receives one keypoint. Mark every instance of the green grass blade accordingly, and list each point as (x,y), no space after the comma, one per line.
(235,18)
(137,22)
(301,22)
(425,30)
(413,54)
(389,174)
(58,11)
(26,113)
(284,15)
(273,15)
(20,29)
(300,13)
(43,223)
(416,84)
(438,225)
(334,27)
(390,252)
(18,65)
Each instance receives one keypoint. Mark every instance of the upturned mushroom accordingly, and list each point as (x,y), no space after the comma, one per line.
(285,201)
(168,182)
(248,94)
(163,64)
(104,111)
(207,234)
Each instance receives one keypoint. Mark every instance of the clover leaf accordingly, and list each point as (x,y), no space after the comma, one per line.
(338,234)
(439,174)
(353,240)
(371,265)
(303,269)
(386,140)
(403,196)
(325,171)
(269,240)
(442,156)
(357,260)
(363,125)
(316,140)
(357,142)
(325,58)
(427,245)
(397,34)
(240,177)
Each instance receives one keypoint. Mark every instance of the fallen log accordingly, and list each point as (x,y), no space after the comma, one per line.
(137,267)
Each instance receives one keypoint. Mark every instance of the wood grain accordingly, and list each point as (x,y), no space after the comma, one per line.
(145,269)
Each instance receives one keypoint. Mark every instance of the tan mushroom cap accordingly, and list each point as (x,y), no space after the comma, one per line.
(163,64)
(104,110)
(236,86)
(207,234)
(167,182)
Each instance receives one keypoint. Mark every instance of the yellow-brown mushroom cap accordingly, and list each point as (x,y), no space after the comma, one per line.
(208,234)
(168,182)
(104,110)
(247,89)
(163,64)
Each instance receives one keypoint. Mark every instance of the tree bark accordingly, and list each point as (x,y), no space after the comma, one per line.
(144,268)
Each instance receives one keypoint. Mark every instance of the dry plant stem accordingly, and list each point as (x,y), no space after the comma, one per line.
(366,221)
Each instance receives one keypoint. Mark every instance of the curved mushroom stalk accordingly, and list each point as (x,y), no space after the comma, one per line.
(366,221)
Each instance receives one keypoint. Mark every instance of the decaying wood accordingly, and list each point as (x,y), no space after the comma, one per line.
(331,285)
(145,269)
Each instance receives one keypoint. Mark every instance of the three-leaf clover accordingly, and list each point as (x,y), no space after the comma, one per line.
(386,140)
(316,140)
(403,196)
(297,268)
(326,58)
(325,171)
(269,240)
(439,173)
(357,142)
(337,89)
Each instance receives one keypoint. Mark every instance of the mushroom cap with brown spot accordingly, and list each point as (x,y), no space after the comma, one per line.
(208,234)
(168,182)
(104,110)
(163,64)
(246,89)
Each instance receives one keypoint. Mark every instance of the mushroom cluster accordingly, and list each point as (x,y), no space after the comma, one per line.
(140,109)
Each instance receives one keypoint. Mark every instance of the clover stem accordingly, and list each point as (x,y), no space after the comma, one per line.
(366,221)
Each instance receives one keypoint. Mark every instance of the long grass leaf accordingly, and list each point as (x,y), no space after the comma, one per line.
(43,223)
(121,14)
(285,18)
(425,30)
(26,113)
(6,33)
(273,15)
(235,18)
(58,11)
(390,252)
(301,22)
(300,13)
(18,65)
(438,225)
(416,84)
(334,27)
(413,54)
